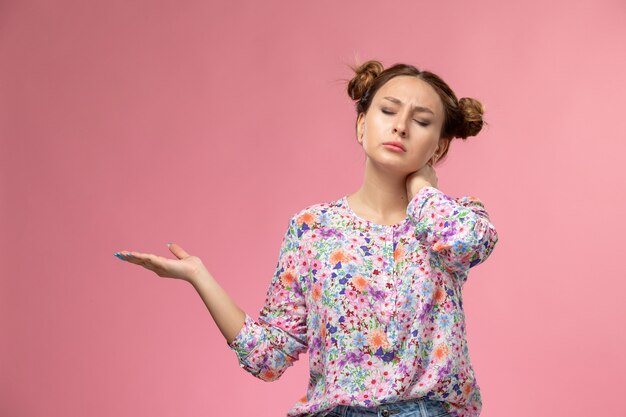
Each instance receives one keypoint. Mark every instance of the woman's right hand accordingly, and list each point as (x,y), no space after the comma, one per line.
(186,267)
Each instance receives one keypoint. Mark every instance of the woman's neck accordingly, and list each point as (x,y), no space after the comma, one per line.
(382,197)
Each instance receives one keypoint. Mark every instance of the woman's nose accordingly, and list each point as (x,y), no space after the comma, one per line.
(399,124)
(400,130)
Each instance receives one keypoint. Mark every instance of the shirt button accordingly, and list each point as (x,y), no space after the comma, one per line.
(385,413)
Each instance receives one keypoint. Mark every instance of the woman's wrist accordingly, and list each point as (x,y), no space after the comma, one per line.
(199,276)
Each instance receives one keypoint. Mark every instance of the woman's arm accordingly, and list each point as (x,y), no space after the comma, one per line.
(267,347)
(457,229)
(228,317)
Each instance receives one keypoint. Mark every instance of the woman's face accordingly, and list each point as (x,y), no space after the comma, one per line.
(405,110)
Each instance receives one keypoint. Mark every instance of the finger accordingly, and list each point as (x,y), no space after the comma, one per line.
(123,255)
(152,262)
(137,257)
(127,256)
(145,258)
(178,251)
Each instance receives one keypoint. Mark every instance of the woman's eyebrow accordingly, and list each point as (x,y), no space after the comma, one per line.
(415,108)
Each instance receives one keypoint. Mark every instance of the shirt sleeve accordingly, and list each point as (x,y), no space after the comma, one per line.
(267,347)
(457,229)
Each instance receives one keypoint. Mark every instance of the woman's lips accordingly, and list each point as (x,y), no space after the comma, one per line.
(393,147)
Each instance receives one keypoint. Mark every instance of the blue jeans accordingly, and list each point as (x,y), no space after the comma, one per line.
(417,407)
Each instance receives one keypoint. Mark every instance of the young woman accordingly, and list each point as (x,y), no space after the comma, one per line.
(370,284)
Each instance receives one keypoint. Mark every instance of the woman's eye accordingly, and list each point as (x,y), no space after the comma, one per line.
(421,123)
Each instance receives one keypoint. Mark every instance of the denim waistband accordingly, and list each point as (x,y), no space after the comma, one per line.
(427,408)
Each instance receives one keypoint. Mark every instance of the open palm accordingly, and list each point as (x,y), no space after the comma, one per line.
(185,267)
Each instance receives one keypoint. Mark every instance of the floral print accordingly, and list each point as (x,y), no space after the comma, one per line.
(378,307)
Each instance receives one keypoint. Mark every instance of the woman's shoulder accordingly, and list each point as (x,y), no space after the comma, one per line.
(311,214)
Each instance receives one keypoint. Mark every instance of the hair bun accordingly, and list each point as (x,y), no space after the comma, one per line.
(472,111)
(365,75)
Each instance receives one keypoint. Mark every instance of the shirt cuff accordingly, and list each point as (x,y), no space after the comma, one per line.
(416,205)
(246,340)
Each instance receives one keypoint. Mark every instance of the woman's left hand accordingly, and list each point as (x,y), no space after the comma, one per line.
(425,176)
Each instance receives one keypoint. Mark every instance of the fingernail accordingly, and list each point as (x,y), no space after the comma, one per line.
(118,255)
(168,244)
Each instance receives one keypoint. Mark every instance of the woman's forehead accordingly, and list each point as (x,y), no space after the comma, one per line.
(412,90)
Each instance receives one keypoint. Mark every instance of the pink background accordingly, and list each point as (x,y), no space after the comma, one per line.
(128,124)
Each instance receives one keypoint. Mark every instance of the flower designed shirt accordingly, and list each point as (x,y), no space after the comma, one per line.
(378,307)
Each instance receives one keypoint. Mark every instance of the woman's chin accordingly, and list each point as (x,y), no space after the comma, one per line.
(393,166)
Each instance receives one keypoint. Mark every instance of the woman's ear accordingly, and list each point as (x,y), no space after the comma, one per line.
(360,128)
(443,146)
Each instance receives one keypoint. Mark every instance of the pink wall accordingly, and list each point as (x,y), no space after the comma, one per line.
(128,124)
